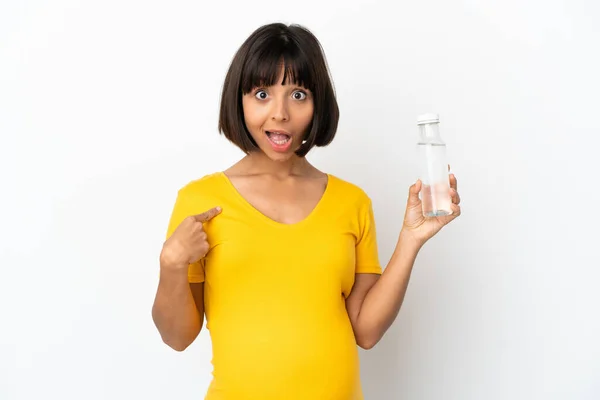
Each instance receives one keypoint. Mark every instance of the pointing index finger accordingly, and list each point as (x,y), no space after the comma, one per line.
(208,215)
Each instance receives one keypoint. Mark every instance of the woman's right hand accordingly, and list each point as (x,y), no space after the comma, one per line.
(188,243)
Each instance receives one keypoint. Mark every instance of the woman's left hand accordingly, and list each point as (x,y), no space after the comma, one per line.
(421,228)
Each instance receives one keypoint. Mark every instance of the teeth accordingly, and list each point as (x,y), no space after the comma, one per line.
(281,140)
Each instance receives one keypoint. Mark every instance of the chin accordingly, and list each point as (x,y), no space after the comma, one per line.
(279,157)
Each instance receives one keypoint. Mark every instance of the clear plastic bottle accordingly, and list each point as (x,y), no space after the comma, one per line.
(435,192)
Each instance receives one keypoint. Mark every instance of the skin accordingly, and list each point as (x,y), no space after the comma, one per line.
(273,182)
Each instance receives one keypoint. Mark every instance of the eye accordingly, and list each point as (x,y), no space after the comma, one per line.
(299,95)
(260,94)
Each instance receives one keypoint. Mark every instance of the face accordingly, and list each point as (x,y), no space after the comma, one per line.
(278,118)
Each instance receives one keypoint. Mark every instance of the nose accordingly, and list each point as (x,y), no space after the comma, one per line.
(280,110)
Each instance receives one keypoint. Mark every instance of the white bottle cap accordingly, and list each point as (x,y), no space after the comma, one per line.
(429,118)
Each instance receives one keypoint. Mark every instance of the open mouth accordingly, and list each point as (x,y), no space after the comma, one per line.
(278,138)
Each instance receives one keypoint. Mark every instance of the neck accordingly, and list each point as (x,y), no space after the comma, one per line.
(258,163)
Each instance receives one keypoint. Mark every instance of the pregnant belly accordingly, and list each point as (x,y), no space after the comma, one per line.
(286,359)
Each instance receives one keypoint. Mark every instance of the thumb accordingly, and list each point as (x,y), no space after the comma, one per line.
(413,193)
(208,215)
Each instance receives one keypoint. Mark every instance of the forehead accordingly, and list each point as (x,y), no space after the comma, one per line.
(280,71)
(283,80)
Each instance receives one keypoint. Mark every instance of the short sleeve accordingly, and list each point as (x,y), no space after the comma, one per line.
(181,211)
(367,255)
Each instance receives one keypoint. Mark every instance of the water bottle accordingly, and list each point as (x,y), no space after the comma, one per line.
(435,191)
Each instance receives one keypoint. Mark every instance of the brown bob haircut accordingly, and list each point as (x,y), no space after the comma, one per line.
(258,63)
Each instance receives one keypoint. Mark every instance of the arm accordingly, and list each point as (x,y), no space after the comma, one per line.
(375,301)
(178,310)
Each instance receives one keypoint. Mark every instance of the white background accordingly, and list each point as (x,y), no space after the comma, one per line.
(107,108)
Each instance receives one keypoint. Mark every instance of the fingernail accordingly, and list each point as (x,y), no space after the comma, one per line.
(218,209)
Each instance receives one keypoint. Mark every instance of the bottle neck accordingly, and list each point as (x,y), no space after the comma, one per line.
(429,133)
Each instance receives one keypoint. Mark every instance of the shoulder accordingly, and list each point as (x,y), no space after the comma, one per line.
(353,202)
(349,192)
(200,194)
(202,186)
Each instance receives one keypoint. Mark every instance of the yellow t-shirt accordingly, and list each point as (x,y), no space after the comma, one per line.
(274,294)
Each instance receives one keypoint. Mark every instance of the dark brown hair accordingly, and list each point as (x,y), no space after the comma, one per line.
(258,63)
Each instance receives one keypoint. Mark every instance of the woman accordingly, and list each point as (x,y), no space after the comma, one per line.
(281,257)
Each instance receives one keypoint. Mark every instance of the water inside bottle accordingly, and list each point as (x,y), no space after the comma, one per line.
(435,193)
(436,200)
